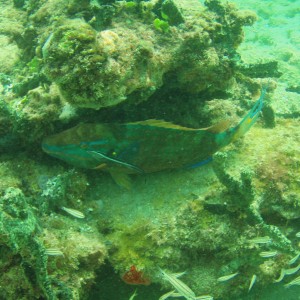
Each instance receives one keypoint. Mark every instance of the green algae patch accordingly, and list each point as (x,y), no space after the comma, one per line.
(32,222)
(99,66)
(17,219)
(161,25)
(73,44)
(18,228)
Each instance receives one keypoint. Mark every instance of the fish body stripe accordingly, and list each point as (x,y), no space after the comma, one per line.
(53,252)
(73,212)
(261,240)
(267,254)
(181,287)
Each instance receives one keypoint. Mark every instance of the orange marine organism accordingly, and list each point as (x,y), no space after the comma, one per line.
(133,276)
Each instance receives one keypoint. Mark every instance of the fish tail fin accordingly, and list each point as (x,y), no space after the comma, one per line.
(250,118)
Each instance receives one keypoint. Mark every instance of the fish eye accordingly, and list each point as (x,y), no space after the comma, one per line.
(112,153)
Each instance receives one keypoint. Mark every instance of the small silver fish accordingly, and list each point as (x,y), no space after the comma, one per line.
(294,259)
(282,274)
(261,240)
(226,277)
(46,46)
(53,252)
(267,254)
(292,270)
(296,281)
(287,272)
(178,285)
(253,280)
(73,212)
(204,297)
(133,295)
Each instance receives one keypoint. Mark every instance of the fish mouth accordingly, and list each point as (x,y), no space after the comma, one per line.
(55,149)
(50,146)
(45,146)
(51,150)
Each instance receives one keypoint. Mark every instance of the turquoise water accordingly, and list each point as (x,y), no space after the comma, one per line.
(101,233)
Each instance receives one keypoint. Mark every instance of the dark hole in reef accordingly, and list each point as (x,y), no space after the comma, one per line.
(274,218)
(172,105)
(109,285)
(29,272)
(168,104)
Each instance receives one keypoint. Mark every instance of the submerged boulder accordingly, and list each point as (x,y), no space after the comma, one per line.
(143,47)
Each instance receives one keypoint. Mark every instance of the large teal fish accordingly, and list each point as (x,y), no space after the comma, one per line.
(145,146)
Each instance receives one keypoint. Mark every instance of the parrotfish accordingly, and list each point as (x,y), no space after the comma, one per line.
(144,146)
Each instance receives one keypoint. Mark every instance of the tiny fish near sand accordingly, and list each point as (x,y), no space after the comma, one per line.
(294,259)
(290,271)
(296,281)
(261,240)
(227,277)
(253,280)
(53,252)
(268,254)
(204,297)
(73,212)
(133,295)
(178,285)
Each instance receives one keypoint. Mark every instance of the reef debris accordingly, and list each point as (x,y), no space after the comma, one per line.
(135,277)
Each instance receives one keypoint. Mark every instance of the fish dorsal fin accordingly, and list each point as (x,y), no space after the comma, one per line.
(216,128)
(219,127)
(161,123)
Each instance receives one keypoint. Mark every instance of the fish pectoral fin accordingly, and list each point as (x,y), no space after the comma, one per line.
(100,167)
(100,157)
(122,179)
